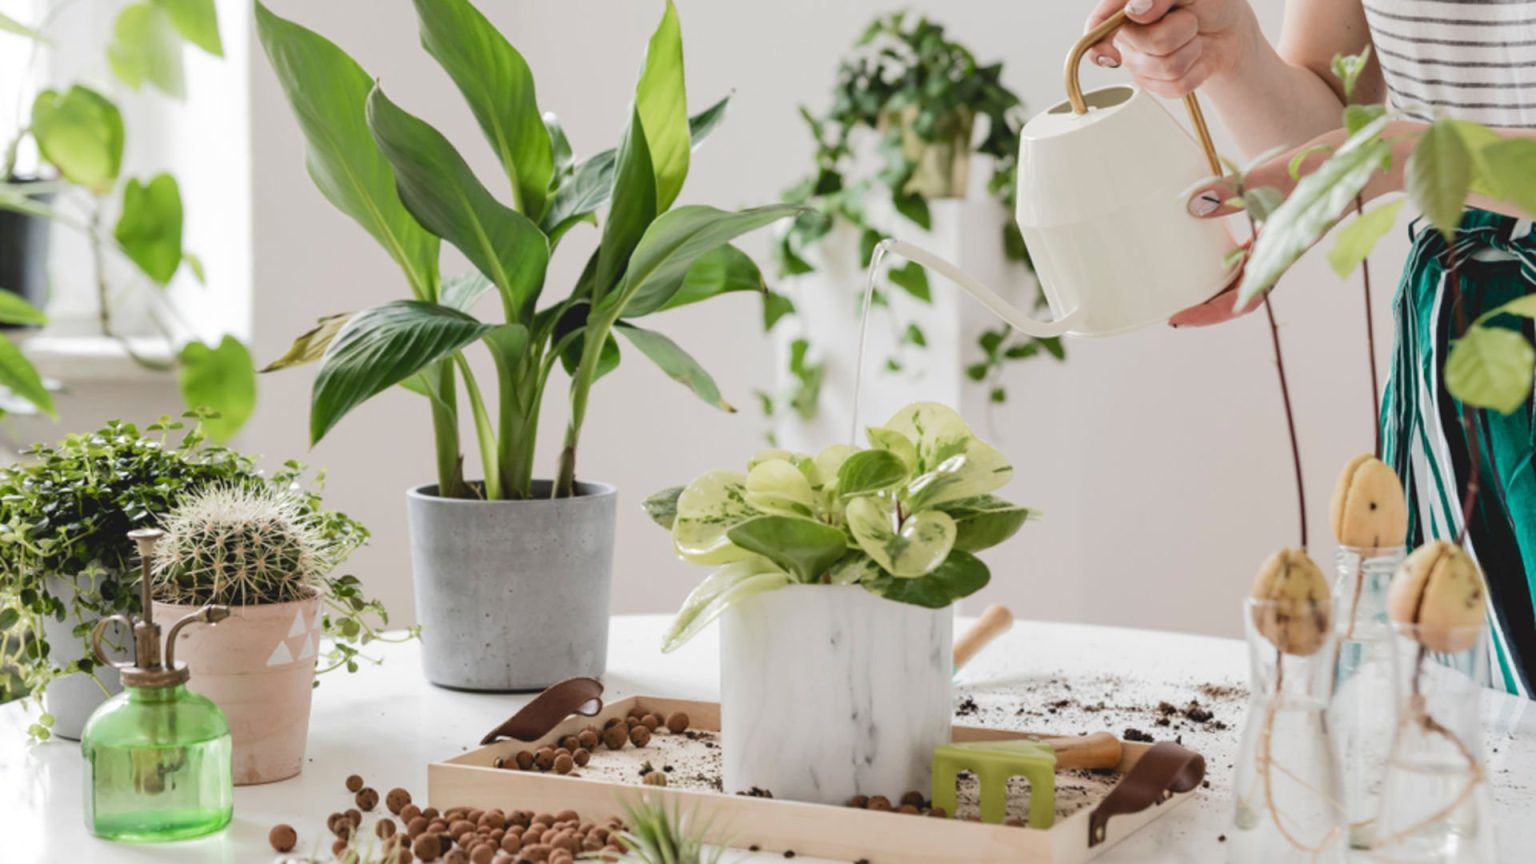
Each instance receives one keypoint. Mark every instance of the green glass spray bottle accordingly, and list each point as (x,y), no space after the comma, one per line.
(158,759)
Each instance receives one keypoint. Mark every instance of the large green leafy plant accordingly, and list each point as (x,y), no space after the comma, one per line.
(902,518)
(65,514)
(80,135)
(411,189)
(913,92)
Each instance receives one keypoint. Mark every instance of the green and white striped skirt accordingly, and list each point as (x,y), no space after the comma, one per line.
(1424,439)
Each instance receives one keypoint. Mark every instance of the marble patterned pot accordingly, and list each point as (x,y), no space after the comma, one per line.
(827,691)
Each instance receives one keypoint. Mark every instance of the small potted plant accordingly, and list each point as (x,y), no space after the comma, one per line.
(268,552)
(840,568)
(497,559)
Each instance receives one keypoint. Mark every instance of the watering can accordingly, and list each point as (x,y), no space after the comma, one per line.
(1103,178)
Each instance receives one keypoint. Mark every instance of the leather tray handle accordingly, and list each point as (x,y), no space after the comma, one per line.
(548,709)
(1161,772)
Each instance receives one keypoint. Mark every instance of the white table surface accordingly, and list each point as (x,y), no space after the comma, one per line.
(387,723)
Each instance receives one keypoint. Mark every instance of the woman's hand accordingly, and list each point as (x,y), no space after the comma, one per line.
(1171,47)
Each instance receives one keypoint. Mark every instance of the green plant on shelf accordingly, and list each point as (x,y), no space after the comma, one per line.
(409,187)
(80,137)
(916,95)
(903,518)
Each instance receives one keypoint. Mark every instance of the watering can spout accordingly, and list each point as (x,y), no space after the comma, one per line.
(986,296)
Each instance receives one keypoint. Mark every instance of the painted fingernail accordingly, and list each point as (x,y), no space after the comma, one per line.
(1138,7)
(1204,204)
(1107,61)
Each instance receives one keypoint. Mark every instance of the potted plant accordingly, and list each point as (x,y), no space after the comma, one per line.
(80,135)
(900,128)
(268,552)
(497,560)
(836,568)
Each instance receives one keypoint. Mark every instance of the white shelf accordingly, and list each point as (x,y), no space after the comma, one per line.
(95,359)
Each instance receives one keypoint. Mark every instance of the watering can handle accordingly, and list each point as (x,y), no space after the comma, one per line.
(1000,307)
(1079,106)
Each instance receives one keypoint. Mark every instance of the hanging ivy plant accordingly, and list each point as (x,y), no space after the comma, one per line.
(915,96)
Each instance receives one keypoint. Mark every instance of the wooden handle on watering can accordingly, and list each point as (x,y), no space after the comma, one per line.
(994,622)
(1099,750)
(1079,106)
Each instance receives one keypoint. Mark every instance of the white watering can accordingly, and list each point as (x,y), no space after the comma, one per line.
(1103,178)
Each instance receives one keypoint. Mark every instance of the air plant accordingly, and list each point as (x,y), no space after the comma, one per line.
(659,834)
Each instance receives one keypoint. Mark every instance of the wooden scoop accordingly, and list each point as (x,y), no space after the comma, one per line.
(1099,750)
(994,622)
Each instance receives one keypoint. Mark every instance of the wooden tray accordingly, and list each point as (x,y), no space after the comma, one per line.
(775,825)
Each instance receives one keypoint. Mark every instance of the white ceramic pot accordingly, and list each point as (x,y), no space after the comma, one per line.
(829,691)
(73,698)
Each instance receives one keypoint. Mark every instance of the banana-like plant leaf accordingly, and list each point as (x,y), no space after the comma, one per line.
(80,132)
(380,347)
(633,210)
(18,375)
(778,486)
(870,471)
(984,521)
(708,508)
(672,244)
(719,271)
(662,507)
(912,548)
(311,345)
(444,195)
(1356,240)
(462,292)
(146,47)
(1314,205)
(730,584)
(804,548)
(570,342)
(328,92)
(498,86)
(197,21)
(1439,176)
(560,152)
(14,310)
(703,123)
(677,363)
(1491,367)
(149,229)
(221,378)
(960,576)
(662,107)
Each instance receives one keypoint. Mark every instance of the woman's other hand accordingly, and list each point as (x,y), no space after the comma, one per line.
(1171,47)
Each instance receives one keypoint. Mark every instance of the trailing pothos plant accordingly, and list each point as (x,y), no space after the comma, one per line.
(916,93)
(903,518)
(80,136)
(409,187)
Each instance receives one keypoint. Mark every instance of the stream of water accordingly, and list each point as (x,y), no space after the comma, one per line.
(858,362)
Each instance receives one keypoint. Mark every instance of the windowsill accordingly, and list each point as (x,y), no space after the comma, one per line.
(93,358)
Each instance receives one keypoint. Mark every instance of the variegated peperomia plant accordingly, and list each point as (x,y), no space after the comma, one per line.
(902,518)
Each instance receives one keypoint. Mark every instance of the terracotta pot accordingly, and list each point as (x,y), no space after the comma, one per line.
(259,668)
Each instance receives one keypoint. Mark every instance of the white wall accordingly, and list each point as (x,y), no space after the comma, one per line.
(1160,458)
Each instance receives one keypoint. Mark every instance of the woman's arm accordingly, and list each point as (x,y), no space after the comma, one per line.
(1267,98)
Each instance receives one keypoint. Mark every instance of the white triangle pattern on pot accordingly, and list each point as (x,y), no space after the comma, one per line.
(308,650)
(299,627)
(280,655)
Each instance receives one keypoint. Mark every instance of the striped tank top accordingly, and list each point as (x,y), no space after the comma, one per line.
(1468,59)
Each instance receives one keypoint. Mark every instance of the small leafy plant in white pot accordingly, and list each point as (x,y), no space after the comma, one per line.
(836,577)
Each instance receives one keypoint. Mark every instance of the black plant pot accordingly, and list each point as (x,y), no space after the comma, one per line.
(24,253)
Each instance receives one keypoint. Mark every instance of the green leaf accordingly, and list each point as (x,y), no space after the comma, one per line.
(1511,164)
(146,47)
(561,154)
(1491,367)
(722,270)
(444,195)
(915,208)
(870,471)
(730,584)
(677,363)
(18,375)
(778,486)
(1524,306)
(804,548)
(662,507)
(81,133)
(328,92)
(661,104)
(149,229)
(499,87)
(984,521)
(462,292)
(940,435)
(221,378)
(380,347)
(11,25)
(15,310)
(703,123)
(633,211)
(1356,240)
(672,244)
(912,547)
(775,307)
(709,507)
(1316,203)
(1439,176)
(913,279)
(197,21)
(1262,201)
(895,442)
(914,336)
(311,345)
(1348,68)
(960,576)
(1357,117)
(195,265)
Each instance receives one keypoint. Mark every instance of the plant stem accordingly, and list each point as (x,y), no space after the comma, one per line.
(1290,420)
(593,340)
(1370,340)
(445,429)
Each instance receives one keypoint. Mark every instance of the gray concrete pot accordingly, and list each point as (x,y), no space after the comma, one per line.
(512,595)
(72,698)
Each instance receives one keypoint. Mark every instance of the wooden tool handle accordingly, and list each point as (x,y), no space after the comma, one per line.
(1099,750)
(994,621)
